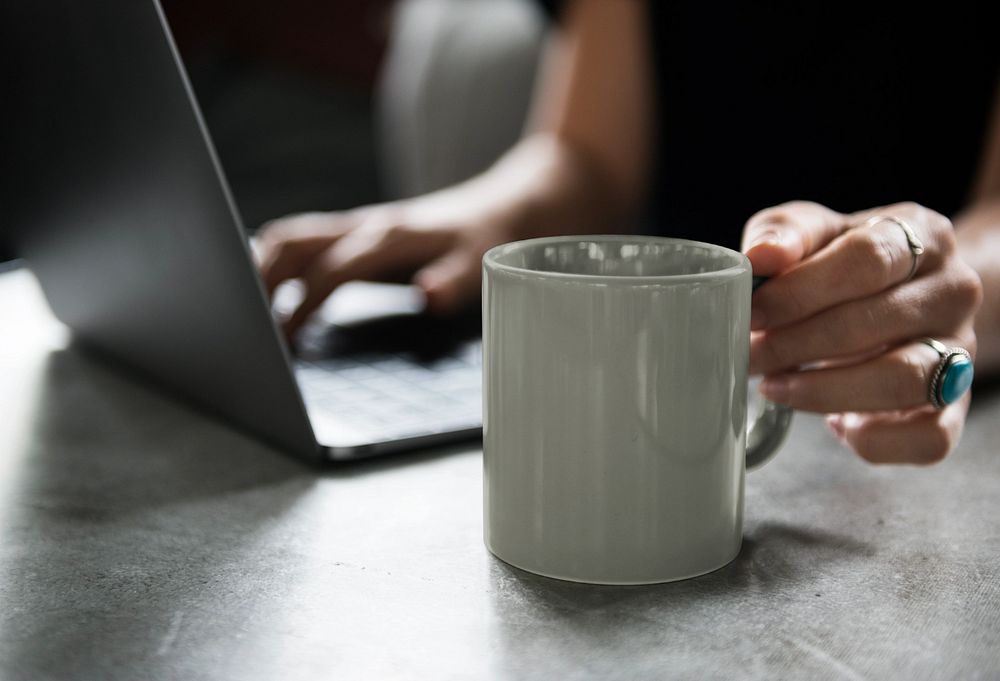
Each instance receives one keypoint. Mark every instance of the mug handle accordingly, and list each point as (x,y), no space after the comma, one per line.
(770,427)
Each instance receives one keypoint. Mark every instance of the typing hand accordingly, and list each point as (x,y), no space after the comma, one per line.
(436,244)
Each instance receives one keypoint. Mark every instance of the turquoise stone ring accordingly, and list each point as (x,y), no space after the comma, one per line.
(952,376)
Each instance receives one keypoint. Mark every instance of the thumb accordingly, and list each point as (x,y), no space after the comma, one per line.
(777,238)
(451,281)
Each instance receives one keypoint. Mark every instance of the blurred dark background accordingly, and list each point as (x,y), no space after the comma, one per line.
(318,105)
(286,89)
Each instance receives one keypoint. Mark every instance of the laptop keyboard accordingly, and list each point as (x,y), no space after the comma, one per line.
(396,396)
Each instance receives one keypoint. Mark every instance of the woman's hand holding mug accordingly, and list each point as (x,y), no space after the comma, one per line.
(847,323)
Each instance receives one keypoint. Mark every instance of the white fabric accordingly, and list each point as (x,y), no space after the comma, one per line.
(455,89)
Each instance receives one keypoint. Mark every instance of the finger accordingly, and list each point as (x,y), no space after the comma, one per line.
(922,436)
(361,255)
(936,231)
(868,258)
(289,244)
(933,306)
(345,260)
(288,260)
(776,238)
(451,281)
(898,379)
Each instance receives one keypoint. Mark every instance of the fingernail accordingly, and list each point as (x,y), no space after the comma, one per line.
(771,237)
(758,320)
(776,388)
(835,423)
(851,420)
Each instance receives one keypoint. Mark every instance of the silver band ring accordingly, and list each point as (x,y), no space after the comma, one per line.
(952,376)
(916,246)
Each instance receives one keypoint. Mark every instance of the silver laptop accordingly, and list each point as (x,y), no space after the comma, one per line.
(121,209)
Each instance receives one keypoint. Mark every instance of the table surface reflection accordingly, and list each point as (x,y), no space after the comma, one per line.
(140,539)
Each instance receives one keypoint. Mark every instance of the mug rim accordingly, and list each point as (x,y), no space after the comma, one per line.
(492,264)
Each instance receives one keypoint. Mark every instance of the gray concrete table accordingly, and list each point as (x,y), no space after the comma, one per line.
(141,540)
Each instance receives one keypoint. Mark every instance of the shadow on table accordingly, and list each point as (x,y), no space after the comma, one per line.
(774,557)
(86,401)
(119,507)
(98,434)
(399,460)
(686,629)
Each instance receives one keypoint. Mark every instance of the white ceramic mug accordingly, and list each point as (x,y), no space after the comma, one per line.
(615,407)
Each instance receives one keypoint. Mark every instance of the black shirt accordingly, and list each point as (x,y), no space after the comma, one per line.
(762,103)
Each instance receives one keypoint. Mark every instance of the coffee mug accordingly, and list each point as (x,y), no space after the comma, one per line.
(615,405)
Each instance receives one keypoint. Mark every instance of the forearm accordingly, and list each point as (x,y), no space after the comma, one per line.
(542,186)
(978,233)
(583,165)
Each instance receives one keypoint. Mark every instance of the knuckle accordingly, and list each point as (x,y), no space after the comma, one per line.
(908,381)
(394,232)
(771,215)
(322,263)
(784,213)
(874,255)
(274,251)
(968,289)
(937,226)
(272,226)
(798,206)
(944,232)
(270,233)
(942,222)
(266,230)
(910,208)
(910,211)
(280,246)
(284,227)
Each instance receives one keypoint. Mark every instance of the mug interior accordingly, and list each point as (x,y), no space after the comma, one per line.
(615,256)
